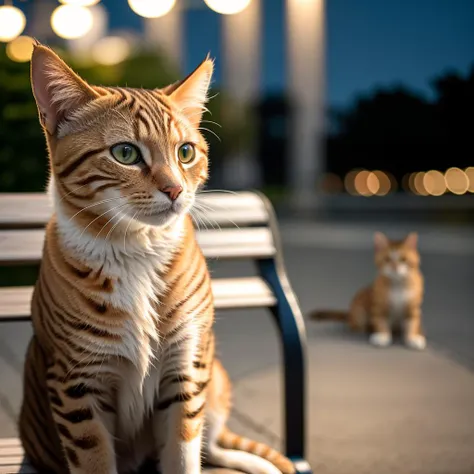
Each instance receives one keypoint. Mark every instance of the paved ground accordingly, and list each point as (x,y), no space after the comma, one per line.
(370,411)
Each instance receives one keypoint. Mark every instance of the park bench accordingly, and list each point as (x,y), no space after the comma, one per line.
(247,229)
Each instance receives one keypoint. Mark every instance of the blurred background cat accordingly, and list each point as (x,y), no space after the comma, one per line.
(393,301)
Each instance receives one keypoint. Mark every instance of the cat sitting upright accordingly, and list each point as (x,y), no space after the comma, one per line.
(394,299)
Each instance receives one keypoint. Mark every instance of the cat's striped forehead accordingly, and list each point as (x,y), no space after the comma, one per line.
(134,114)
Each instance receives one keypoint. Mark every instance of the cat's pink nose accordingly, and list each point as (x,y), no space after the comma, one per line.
(172,191)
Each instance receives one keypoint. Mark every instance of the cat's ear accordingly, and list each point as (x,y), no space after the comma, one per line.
(191,93)
(58,90)
(411,240)
(381,241)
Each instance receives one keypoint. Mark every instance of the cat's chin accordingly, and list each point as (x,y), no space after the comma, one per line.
(159,219)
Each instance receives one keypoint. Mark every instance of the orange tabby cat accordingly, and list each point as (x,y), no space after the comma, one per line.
(394,299)
(121,365)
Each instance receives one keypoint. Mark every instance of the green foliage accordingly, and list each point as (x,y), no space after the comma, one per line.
(23,155)
(22,147)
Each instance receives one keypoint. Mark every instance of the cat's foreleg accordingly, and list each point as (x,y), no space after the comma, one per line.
(86,440)
(414,337)
(180,409)
(382,334)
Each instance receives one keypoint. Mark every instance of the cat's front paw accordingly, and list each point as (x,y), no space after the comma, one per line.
(380,339)
(417,342)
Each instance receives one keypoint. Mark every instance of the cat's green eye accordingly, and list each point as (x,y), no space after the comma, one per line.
(186,153)
(126,153)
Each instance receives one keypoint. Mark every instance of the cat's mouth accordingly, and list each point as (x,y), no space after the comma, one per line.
(160,215)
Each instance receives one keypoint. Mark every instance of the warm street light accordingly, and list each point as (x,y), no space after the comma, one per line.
(228,7)
(20,49)
(110,50)
(80,3)
(12,22)
(71,21)
(151,8)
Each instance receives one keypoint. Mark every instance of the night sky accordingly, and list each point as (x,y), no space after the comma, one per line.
(369,42)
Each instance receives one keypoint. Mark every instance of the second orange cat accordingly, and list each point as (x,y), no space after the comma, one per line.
(393,300)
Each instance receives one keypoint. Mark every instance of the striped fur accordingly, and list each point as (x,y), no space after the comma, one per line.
(121,366)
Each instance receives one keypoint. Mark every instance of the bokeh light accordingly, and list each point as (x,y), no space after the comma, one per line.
(411,182)
(80,3)
(349,182)
(20,49)
(228,7)
(470,176)
(151,8)
(456,181)
(360,183)
(110,50)
(384,183)
(71,21)
(373,184)
(434,183)
(418,184)
(12,22)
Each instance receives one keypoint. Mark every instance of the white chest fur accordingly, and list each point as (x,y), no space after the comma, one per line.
(399,298)
(135,266)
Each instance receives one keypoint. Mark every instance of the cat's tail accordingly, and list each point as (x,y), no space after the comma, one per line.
(329,315)
(229,440)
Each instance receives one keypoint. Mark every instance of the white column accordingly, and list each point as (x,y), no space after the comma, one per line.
(306,77)
(166,32)
(241,81)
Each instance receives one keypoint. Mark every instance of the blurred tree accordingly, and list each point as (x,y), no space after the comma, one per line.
(22,147)
(400,131)
(454,104)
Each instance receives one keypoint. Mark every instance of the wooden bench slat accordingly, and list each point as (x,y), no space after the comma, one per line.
(8,442)
(15,303)
(251,292)
(10,451)
(12,458)
(32,210)
(22,247)
(24,210)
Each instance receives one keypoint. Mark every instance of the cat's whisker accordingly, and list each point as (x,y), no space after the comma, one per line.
(103,201)
(202,109)
(73,191)
(98,217)
(210,131)
(126,230)
(113,227)
(212,122)
(106,224)
(206,208)
(197,219)
(226,191)
(202,214)
(213,96)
